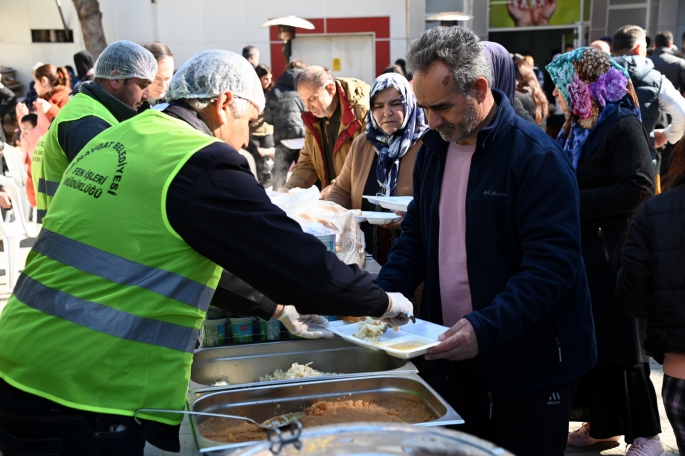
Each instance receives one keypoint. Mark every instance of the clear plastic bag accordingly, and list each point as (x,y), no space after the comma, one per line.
(322,218)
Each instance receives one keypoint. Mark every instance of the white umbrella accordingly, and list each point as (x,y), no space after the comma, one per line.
(449,16)
(292,21)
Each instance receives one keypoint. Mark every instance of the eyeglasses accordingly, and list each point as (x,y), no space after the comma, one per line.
(213,100)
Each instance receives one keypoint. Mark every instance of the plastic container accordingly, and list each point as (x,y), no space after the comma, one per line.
(273,329)
(410,341)
(214,313)
(262,328)
(214,332)
(270,329)
(241,329)
(329,241)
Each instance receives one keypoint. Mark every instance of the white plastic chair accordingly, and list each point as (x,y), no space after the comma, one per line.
(15,162)
(13,231)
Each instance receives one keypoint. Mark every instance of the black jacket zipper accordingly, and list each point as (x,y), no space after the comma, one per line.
(491,404)
(600,234)
(491,400)
(556,336)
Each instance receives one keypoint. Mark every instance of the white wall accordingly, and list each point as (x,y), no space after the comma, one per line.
(187,26)
(17,18)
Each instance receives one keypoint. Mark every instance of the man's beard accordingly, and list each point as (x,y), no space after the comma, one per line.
(465,129)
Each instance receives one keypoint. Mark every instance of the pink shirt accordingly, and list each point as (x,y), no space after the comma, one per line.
(454,280)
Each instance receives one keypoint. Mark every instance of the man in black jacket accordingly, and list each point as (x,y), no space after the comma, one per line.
(213,191)
(494,231)
(667,62)
(654,91)
(217,207)
(284,109)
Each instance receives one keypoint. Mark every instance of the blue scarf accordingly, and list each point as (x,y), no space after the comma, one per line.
(391,148)
(575,142)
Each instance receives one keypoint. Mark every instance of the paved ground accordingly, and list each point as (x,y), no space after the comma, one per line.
(667,437)
(188,442)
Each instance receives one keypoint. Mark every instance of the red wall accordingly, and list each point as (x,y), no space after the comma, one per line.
(378,26)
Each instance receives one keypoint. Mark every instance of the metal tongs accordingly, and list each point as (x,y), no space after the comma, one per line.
(408,315)
(400,315)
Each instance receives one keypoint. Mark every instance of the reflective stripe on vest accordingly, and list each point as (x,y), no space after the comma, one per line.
(47,187)
(111,300)
(102,318)
(49,160)
(120,270)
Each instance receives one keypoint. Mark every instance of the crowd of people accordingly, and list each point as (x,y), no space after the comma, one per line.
(553,251)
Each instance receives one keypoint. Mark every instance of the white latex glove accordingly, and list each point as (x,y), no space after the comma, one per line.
(398,312)
(306,326)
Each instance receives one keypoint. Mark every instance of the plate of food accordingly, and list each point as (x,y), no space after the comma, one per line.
(408,341)
(376,218)
(394,203)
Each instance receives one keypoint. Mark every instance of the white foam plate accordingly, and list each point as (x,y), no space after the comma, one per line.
(376,218)
(395,203)
(412,339)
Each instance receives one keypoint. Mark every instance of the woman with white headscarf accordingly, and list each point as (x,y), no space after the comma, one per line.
(382,160)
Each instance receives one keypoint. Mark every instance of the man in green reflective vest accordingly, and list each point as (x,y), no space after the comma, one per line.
(122,73)
(104,319)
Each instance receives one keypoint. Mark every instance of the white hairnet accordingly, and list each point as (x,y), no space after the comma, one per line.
(212,72)
(125,60)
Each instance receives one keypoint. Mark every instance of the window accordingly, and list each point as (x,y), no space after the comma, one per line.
(52,36)
(627,12)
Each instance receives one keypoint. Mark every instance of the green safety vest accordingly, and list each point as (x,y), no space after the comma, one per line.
(49,160)
(107,311)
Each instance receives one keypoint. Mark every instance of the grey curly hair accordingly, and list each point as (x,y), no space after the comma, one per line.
(458,48)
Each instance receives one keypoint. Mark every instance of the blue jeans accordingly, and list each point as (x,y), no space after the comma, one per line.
(31,425)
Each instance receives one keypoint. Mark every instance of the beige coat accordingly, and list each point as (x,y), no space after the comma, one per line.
(348,188)
(354,105)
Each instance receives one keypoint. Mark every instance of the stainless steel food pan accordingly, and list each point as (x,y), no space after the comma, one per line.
(379,440)
(243,365)
(260,403)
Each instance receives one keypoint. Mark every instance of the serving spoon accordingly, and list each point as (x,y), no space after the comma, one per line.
(271,423)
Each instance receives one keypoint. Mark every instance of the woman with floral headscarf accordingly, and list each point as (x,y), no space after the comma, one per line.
(382,161)
(609,150)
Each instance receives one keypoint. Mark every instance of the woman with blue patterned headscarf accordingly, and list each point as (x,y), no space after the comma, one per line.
(390,136)
(382,161)
(609,150)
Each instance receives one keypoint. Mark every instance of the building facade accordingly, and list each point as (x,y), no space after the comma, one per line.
(356,38)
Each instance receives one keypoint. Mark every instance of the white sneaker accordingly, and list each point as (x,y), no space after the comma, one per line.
(646,447)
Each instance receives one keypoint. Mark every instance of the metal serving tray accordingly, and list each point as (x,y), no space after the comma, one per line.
(261,403)
(243,365)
